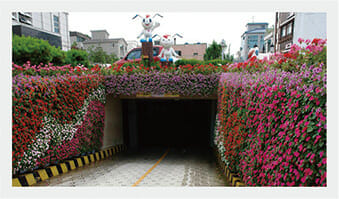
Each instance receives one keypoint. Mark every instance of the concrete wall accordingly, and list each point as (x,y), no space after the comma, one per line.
(113,132)
(188,50)
(309,26)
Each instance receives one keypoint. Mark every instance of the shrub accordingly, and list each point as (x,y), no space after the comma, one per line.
(35,51)
(58,56)
(30,49)
(77,57)
(192,62)
(217,62)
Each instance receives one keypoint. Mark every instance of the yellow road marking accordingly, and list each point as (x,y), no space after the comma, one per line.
(149,170)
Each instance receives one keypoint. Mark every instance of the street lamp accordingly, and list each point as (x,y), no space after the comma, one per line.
(223,46)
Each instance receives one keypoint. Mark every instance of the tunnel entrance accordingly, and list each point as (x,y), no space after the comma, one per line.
(175,123)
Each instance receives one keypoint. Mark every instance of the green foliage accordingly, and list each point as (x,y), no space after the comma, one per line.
(30,49)
(218,62)
(193,62)
(58,56)
(77,57)
(213,51)
(36,51)
(74,45)
(98,55)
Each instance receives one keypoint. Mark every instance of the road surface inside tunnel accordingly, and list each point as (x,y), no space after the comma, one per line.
(151,167)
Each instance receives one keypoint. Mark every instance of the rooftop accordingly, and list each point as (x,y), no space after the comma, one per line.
(260,23)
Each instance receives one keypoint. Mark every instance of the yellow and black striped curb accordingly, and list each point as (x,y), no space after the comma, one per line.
(232,178)
(68,165)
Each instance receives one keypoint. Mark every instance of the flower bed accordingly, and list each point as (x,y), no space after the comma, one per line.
(50,115)
(162,83)
(271,125)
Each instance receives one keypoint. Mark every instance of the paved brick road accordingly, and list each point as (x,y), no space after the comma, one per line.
(178,168)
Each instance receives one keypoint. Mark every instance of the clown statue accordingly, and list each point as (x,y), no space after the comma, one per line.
(167,53)
(149,25)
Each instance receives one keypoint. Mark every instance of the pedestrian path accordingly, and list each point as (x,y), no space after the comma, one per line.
(143,169)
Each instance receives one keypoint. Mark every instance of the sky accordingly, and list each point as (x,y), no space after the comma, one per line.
(195,27)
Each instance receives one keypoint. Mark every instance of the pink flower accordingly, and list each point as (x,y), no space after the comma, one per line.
(321,154)
(317,138)
(324,161)
(312,156)
(300,147)
(297,132)
(303,179)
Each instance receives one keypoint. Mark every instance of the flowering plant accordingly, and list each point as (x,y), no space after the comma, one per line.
(47,113)
(271,125)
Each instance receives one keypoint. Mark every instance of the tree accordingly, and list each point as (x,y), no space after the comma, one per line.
(74,45)
(98,55)
(213,51)
(228,56)
(77,57)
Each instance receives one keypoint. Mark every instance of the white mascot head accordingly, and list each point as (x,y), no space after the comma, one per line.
(149,24)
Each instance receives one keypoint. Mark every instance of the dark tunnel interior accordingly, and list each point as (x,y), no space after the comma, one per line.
(168,123)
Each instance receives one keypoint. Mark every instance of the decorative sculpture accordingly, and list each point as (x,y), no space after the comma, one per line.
(167,53)
(149,25)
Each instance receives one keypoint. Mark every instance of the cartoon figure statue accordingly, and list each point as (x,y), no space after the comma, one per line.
(254,52)
(149,25)
(167,53)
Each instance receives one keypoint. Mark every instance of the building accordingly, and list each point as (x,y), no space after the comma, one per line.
(290,26)
(254,35)
(268,43)
(50,26)
(100,38)
(78,38)
(191,51)
(131,44)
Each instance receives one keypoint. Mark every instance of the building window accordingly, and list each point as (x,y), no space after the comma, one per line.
(289,29)
(14,16)
(252,40)
(113,45)
(56,24)
(80,39)
(195,54)
(178,52)
(25,18)
(283,31)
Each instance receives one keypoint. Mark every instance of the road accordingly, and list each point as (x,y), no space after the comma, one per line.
(152,167)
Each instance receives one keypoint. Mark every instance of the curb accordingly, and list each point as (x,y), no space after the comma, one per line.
(64,167)
(232,178)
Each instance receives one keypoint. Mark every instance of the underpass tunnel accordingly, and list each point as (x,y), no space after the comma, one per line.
(168,123)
